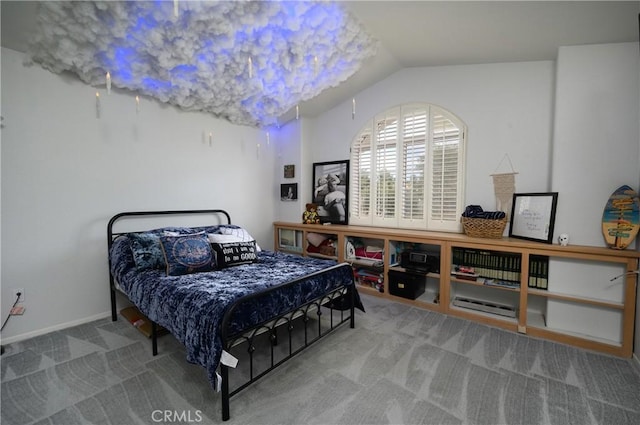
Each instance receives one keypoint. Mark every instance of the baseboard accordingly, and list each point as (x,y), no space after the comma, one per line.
(65,325)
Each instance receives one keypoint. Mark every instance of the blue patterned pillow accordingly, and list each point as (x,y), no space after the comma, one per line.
(235,253)
(186,254)
(146,249)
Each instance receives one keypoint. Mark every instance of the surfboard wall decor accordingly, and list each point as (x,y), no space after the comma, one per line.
(621,218)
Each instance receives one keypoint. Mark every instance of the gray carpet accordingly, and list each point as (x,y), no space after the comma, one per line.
(401,365)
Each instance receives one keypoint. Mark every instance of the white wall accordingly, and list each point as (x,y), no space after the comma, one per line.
(507,108)
(595,134)
(65,173)
(595,151)
(289,151)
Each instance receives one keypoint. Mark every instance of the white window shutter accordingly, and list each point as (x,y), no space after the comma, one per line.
(408,170)
(413,167)
(385,162)
(360,178)
(447,153)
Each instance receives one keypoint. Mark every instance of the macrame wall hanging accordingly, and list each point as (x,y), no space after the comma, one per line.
(504,186)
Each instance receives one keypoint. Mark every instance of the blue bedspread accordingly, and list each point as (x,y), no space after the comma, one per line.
(192,306)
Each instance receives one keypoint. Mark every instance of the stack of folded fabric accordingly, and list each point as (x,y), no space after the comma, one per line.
(476,211)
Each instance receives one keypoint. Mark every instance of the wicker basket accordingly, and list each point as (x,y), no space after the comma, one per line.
(484,227)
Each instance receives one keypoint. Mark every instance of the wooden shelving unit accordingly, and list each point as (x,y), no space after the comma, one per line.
(530,303)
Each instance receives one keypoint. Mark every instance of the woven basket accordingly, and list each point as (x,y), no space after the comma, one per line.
(484,227)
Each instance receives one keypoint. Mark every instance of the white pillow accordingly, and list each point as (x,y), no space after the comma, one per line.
(240,233)
(217,238)
(316,239)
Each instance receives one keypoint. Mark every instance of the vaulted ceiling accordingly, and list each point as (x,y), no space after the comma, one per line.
(260,63)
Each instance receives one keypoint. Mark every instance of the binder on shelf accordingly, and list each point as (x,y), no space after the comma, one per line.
(538,271)
(497,266)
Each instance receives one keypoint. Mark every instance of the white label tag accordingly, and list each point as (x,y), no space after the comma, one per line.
(218,382)
(228,360)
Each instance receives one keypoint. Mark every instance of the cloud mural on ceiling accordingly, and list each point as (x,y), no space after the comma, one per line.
(246,61)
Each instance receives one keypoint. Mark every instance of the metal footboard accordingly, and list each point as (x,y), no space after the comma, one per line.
(284,323)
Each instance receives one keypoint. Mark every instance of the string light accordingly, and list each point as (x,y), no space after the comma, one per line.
(297,112)
(137,105)
(353,108)
(210,138)
(175,8)
(108,83)
(315,66)
(250,67)
(97,105)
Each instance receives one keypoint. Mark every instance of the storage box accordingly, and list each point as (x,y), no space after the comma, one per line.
(406,285)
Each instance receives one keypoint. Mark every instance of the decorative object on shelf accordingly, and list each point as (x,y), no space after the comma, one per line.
(289,171)
(310,216)
(289,192)
(563,239)
(621,218)
(478,223)
(533,216)
(331,191)
(350,251)
(504,185)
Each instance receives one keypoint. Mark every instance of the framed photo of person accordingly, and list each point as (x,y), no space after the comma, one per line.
(331,191)
(289,192)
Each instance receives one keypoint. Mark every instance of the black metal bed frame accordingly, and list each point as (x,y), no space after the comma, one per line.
(271,326)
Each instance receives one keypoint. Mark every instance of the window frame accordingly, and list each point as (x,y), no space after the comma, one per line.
(362,210)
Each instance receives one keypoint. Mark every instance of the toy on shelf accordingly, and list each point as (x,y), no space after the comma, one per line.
(310,216)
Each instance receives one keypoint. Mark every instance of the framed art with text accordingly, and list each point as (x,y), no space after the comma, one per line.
(331,191)
(533,216)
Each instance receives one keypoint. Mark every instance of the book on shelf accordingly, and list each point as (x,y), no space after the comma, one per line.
(499,282)
(464,272)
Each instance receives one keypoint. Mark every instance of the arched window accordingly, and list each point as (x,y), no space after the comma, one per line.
(408,169)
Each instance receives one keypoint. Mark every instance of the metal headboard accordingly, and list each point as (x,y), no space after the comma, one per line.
(123,215)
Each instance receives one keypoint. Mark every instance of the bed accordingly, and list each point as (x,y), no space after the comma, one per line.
(214,289)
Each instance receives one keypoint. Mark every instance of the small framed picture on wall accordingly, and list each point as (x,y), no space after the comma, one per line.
(289,171)
(289,192)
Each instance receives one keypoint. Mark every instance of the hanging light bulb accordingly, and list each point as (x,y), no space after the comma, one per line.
(97,105)
(137,105)
(175,8)
(297,112)
(353,108)
(315,66)
(250,67)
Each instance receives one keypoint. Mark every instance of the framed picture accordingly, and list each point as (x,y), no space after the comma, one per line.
(289,171)
(533,216)
(289,192)
(331,191)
